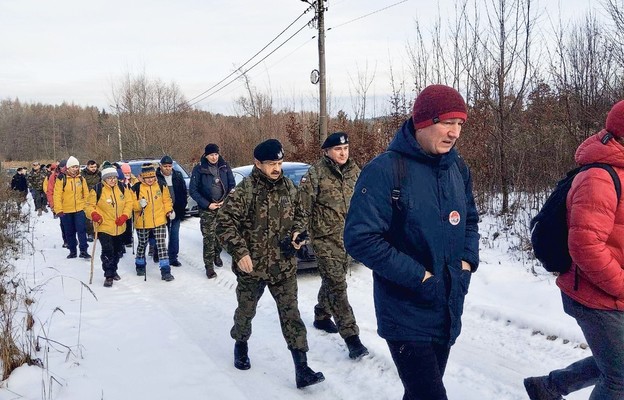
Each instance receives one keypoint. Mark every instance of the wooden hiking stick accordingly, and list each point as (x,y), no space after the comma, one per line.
(95,238)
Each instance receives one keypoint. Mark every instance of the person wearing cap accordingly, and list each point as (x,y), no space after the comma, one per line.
(211,181)
(173,180)
(92,176)
(151,211)
(19,183)
(70,195)
(324,195)
(109,206)
(55,170)
(253,219)
(592,290)
(413,222)
(35,179)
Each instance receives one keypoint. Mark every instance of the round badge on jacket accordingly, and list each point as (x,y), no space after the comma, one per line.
(454,217)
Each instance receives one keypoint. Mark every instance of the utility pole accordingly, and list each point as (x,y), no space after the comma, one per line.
(319,8)
(322,80)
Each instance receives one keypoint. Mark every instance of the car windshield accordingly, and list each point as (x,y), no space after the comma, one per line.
(296,173)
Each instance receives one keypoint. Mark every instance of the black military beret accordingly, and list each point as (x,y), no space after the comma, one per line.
(269,150)
(335,139)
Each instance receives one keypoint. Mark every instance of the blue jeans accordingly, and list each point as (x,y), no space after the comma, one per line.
(174,239)
(75,224)
(421,367)
(604,332)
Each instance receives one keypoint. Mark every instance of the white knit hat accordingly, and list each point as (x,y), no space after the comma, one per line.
(71,161)
(109,172)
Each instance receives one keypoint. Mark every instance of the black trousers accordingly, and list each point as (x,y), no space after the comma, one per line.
(421,367)
(111,247)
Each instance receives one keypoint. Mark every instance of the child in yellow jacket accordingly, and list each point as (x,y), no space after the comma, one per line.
(109,206)
(151,210)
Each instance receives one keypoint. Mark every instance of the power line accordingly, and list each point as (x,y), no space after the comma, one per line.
(204,97)
(252,57)
(368,15)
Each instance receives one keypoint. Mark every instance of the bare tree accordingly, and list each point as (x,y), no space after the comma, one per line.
(361,87)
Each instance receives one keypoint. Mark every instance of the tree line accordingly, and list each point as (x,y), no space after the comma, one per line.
(533,93)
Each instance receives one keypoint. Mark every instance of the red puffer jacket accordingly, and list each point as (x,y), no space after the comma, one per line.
(596,229)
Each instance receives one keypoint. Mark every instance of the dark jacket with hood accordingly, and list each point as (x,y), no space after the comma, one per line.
(202,180)
(434,230)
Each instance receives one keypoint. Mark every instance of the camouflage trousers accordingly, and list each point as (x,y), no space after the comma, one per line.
(248,293)
(332,296)
(212,247)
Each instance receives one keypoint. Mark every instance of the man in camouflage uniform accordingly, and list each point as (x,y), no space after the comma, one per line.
(250,225)
(35,179)
(211,181)
(324,196)
(93,176)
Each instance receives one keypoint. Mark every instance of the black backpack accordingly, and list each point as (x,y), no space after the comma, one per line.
(549,228)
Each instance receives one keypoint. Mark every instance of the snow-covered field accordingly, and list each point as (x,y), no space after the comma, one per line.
(161,341)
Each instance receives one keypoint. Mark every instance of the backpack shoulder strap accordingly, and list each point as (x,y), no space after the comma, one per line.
(398,174)
(137,189)
(614,176)
(98,191)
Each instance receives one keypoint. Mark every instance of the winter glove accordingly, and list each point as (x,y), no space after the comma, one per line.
(119,221)
(171,215)
(60,215)
(95,217)
(143,203)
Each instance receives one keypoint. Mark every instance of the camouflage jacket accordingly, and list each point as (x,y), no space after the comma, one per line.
(252,221)
(35,179)
(323,201)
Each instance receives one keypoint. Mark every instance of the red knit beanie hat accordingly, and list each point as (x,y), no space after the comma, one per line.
(436,103)
(615,119)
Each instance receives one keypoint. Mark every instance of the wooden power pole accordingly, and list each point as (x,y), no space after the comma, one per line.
(320,7)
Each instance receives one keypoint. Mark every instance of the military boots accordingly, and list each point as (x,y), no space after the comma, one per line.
(304,375)
(241,359)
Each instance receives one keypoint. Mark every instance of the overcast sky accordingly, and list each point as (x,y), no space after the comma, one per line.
(76,50)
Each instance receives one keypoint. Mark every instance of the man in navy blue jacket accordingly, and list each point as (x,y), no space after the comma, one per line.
(413,221)
(211,181)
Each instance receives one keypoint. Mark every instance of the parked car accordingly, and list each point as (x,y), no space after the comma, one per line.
(135,166)
(295,171)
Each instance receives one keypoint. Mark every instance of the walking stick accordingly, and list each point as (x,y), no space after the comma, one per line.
(95,237)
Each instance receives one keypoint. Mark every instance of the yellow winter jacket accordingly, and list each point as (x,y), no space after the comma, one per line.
(112,204)
(159,204)
(70,194)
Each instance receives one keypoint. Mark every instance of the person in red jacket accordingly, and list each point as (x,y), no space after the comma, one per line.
(593,289)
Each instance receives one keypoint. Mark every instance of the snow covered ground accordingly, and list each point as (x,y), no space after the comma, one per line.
(160,341)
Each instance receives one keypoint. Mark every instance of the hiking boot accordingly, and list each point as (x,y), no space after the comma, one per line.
(210,273)
(64,245)
(108,282)
(241,357)
(304,375)
(537,389)
(45,209)
(175,263)
(89,238)
(218,262)
(326,325)
(116,277)
(166,276)
(39,213)
(85,255)
(356,348)
(140,271)
(72,255)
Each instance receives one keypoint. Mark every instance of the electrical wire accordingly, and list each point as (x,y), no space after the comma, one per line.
(252,57)
(204,97)
(368,15)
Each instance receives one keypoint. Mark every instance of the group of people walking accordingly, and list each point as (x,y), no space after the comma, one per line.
(409,215)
